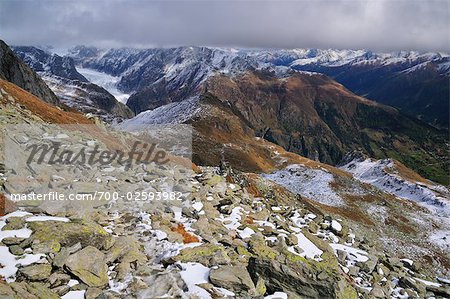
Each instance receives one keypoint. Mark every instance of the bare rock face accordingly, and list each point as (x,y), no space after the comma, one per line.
(15,71)
(89,265)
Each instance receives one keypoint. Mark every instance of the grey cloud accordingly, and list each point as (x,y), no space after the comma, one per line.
(375,24)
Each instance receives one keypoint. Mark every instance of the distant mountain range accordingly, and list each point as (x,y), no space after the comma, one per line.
(278,95)
(416,83)
(71,87)
(285,227)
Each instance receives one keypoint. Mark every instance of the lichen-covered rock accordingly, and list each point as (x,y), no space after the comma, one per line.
(126,248)
(13,223)
(36,272)
(50,238)
(234,278)
(6,291)
(206,254)
(300,277)
(89,265)
(32,290)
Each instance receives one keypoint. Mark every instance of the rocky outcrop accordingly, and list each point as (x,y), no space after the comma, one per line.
(72,88)
(12,69)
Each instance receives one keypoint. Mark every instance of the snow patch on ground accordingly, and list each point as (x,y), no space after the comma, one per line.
(47,218)
(194,274)
(308,182)
(173,113)
(74,295)
(308,249)
(9,262)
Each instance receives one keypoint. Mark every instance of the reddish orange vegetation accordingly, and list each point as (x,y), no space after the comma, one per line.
(6,206)
(2,205)
(407,173)
(249,220)
(45,111)
(187,237)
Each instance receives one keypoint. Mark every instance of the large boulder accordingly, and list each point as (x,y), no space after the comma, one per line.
(89,265)
(297,276)
(234,278)
(36,272)
(50,238)
(32,290)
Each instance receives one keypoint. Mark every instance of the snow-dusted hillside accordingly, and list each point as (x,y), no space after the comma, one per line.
(384,175)
(73,88)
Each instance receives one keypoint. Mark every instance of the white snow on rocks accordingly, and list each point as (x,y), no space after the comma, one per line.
(308,182)
(9,262)
(375,172)
(18,233)
(277,295)
(354,254)
(308,249)
(194,274)
(232,222)
(47,218)
(173,113)
(74,295)
(336,226)
(382,174)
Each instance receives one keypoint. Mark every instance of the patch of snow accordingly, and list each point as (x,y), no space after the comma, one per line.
(428,283)
(74,295)
(374,172)
(9,262)
(47,218)
(198,206)
(173,113)
(246,233)
(17,233)
(277,295)
(233,220)
(308,182)
(309,249)
(225,292)
(354,254)
(194,274)
(336,225)
(73,282)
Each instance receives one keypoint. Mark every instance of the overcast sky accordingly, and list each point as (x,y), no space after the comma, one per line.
(375,24)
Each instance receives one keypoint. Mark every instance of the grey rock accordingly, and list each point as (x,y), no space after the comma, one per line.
(57,279)
(89,265)
(342,256)
(16,250)
(12,241)
(369,265)
(36,272)
(234,278)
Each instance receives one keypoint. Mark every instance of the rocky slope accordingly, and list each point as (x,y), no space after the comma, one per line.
(237,235)
(307,114)
(72,88)
(14,70)
(221,134)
